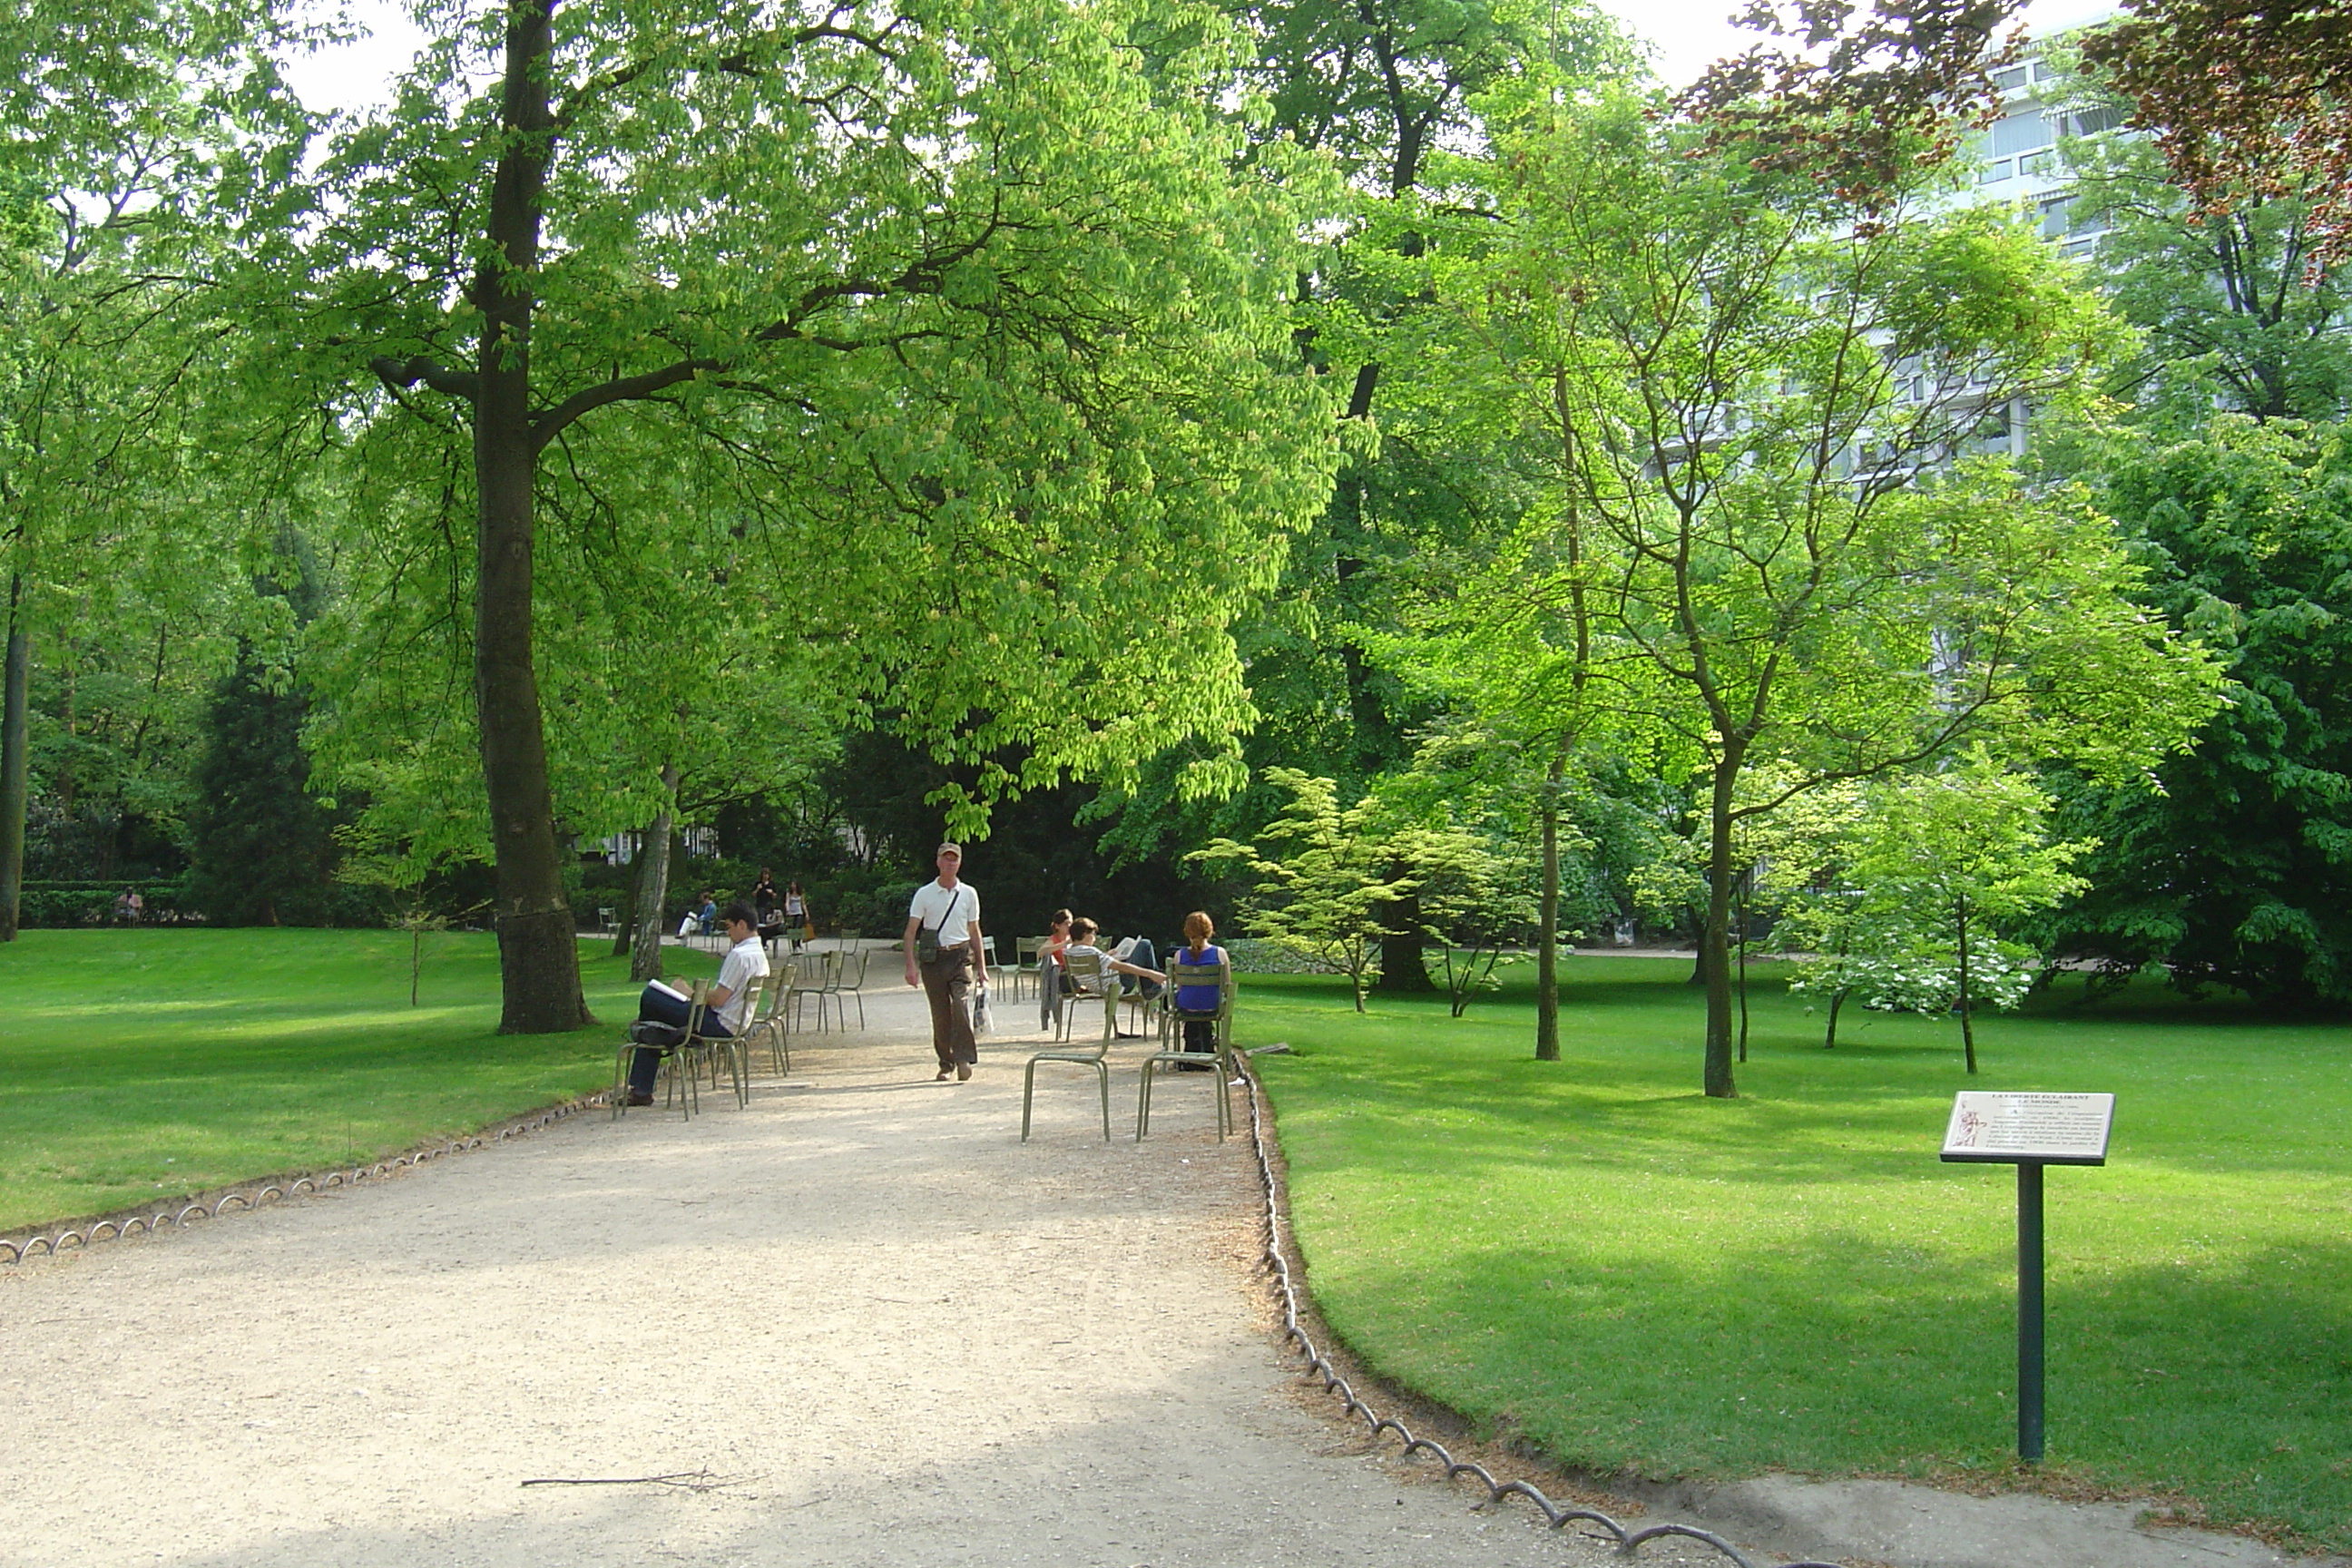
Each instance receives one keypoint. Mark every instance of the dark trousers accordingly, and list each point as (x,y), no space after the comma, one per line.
(657,1005)
(1143,955)
(946,983)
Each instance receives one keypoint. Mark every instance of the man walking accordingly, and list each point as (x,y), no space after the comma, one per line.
(943,954)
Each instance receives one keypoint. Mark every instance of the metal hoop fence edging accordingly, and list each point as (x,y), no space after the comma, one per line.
(114,1229)
(1628,1541)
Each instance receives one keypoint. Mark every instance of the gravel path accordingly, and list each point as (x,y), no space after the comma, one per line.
(886,1330)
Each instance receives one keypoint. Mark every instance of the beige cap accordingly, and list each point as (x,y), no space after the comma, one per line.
(949,848)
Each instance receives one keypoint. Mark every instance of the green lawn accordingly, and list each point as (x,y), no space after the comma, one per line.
(1593,1256)
(139,1066)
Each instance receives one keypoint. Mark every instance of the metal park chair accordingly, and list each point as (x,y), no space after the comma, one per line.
(767,1018)
(1218,1059)
(1087,971)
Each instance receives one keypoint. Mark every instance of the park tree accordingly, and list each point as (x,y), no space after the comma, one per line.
(2250,101)
(121,128)
(263,850)
(1325,876)
(2237,869)
(973,309)
(2237,309)
(1795,553)
(1384,87)
(1939,870)
(675,683)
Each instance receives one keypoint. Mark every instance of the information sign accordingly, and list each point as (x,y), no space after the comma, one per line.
(2048,1129)
(2029,1131)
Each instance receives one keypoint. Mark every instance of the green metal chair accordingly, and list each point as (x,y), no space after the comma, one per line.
(1025,964)
(769,1018)
(849,981)
(818,974)
(1219,1060)
(679,1064)
(1091,976)
(732,1050)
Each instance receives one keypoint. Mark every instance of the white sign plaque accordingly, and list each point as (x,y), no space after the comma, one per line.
(2051,1128)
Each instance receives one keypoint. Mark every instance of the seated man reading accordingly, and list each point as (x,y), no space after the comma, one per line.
(1082,945)
(746,961)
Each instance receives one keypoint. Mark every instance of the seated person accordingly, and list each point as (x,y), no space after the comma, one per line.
(1052,982)
(1082,945)
(1197,1005)
(730,999)
(702,916)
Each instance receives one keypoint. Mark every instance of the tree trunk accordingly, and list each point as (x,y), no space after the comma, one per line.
(1837,1000)
(1714,946)
(1402,971)
(1547,923)
(16,776)
(653,889)
(1968,1025)
(1743,966)
(538,955)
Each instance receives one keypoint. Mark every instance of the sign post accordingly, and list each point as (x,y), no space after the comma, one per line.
(2029,1131)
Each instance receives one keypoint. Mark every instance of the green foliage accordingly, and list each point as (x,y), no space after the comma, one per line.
(2237,307)
(1937,868)
(1626,1280)
(263,848)
(2236,869)
(1326,875)
(1763,540)
(958,406)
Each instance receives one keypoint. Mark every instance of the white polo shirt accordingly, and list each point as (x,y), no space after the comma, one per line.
(746,961)
(957,913)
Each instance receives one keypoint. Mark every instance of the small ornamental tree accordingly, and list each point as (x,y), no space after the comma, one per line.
(1945,863)
(1476,896)
(1325,877)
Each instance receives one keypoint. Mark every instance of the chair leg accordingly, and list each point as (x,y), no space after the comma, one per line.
(1102,1071)
(621,1065)
(1143,1103)
(1028,1093)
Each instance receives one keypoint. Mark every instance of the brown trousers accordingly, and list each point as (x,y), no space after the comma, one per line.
(947,983)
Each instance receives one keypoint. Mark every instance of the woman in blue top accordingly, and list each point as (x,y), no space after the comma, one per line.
(1197,1005)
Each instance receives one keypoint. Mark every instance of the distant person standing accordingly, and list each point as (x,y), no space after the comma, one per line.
(797,920)
(943,954)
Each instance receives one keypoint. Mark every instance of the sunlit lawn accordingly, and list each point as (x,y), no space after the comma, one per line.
(137,1066)
(1591,1256)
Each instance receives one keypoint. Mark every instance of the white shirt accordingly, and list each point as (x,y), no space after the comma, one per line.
(957,913)
(745,962)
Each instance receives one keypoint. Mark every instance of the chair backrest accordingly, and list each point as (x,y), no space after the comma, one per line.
(698,1007)
(767,1000)
(1182,976)
(1093,978)
(850,973)
(1025,950)
(1087,972)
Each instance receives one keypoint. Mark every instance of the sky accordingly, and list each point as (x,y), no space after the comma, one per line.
(1687,34)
